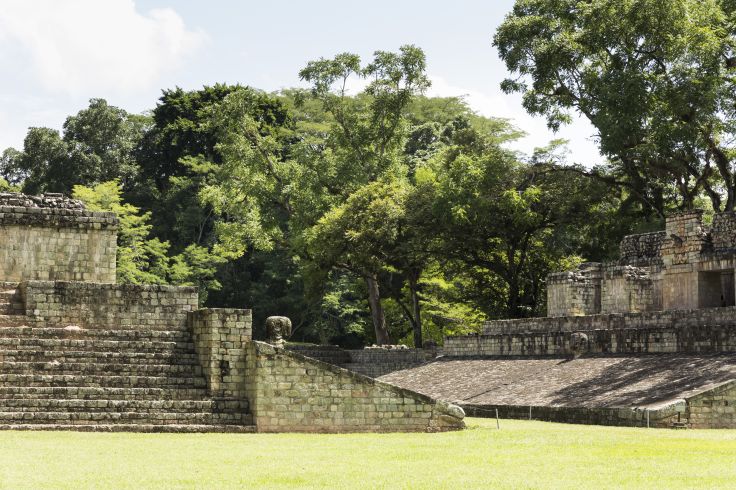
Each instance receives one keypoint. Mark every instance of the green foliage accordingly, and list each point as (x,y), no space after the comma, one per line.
(142,259)
(375,217)
(654,78)
(98,145)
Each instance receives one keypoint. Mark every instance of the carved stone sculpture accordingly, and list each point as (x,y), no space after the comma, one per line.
(277,327)
(578,344)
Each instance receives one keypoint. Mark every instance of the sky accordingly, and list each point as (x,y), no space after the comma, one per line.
(58,54)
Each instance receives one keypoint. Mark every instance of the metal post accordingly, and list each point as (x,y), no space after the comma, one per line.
(498,425)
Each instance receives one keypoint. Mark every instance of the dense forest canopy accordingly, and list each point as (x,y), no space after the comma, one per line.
(388,216)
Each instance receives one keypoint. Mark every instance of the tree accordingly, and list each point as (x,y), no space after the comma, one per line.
(361,235)
(368,131)
(654,78)
(97,146)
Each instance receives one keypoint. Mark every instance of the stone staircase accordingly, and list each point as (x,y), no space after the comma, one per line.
(85,379)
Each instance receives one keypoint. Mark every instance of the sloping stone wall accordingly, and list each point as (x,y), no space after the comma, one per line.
(714,409)
(98,305)
(289,392)
(38,243)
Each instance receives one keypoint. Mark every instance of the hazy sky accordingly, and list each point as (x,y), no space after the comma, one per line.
(57,54)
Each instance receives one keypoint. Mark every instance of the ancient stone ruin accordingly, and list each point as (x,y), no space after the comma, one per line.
(649,340)
(80,352)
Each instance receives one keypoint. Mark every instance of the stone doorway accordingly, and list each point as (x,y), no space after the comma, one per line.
(716,289)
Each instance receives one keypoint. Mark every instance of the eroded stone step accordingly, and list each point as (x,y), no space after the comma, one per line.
(22,331)
(153,428)
(95,393)
(86,356)
(94,345)
(111,368)
(107,405)
(96,380)
(11,309)
(15,320)
(88,417)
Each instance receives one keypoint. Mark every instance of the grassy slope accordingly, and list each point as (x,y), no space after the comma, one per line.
(522,454)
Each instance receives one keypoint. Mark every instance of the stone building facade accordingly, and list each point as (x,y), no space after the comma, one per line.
(80,352)
(687,266)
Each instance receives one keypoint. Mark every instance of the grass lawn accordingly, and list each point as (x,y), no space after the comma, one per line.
(521,455)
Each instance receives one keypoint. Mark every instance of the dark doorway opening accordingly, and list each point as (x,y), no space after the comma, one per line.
(716,289)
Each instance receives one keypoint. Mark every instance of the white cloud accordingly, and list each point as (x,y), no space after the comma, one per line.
(91,46)
(579,134)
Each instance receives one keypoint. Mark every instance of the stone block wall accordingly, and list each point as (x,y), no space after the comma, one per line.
(652,319)
(371,361)
(50,244)
(93,305)
(220,335)
(713,409)
(375,362)
(723,231)
(575,293)
(642,249)
(681,249)
(705,339)
(626,289)
(289,392)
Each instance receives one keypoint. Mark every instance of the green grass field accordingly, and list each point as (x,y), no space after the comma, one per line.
(520,455)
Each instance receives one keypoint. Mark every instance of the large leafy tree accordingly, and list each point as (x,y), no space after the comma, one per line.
(368,132)
(654,78)
(98,145)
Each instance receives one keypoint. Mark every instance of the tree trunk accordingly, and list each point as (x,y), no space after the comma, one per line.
(379,319)
(416,311)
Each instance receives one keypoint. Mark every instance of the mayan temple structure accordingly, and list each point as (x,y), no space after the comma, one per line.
(80,352)
(648,340)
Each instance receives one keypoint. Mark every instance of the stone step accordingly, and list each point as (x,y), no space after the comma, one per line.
(86,356)
(62,345)
(14,320)
(99,393)
(106,405)
(154,428)
(10,306)
(10,310)
(26,331)
(18,320)
(113,381)
(93,417)
(72,368)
